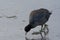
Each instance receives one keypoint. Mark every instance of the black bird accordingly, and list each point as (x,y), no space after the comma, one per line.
(36,18)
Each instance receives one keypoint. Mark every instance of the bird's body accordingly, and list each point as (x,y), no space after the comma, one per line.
(37,17)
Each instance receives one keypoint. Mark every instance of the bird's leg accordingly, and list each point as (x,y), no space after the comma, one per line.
(46,27)
(41,31)
(41,28)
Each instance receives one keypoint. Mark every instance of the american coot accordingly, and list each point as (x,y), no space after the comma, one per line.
(36,18)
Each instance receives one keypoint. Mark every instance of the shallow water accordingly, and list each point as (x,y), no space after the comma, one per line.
(13,28)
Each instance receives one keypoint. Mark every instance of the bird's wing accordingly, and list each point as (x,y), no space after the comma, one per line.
(37,18)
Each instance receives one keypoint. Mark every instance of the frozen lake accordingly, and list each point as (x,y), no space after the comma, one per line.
(13,28)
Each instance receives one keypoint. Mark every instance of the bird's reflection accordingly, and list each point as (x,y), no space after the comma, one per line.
(44,38)
(41,33)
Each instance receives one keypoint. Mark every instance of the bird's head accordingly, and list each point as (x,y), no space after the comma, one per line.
(27,28)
